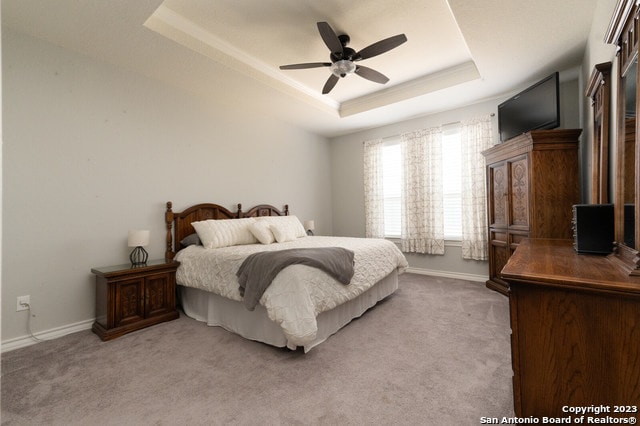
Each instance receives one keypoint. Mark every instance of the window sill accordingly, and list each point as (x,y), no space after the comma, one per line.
(447,243)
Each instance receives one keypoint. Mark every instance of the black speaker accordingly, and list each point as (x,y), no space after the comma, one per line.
(593,228)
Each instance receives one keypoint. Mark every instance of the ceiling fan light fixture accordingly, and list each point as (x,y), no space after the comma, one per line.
(343,67)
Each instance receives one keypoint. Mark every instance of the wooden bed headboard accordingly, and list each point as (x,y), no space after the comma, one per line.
(179,224)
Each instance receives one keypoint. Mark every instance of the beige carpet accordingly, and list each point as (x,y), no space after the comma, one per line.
(434,353)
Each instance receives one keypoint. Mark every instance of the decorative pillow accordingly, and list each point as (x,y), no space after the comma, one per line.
(191,240)
(225,232)
(290,225)
(260,230)
(283,233)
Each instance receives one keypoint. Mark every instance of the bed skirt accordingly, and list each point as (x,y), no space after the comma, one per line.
(255,325)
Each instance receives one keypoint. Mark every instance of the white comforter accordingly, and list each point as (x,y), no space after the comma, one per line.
(299,293)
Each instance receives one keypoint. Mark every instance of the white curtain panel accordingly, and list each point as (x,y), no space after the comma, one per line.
(373,189)
(476,136)
(422,201)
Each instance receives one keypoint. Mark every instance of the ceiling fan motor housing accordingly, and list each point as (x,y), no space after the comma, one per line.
(347,54)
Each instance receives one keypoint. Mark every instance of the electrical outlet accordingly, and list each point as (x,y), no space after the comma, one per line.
(23,303)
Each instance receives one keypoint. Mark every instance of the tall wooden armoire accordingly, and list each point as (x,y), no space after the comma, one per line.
(532,184)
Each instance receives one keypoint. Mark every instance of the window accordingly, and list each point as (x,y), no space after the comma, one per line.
(392,188)
(452,184)
(442,161)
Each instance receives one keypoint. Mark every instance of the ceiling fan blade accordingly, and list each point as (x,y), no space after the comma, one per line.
(371,74)
(304,66)
(330,84)
(380,47)
(330,38)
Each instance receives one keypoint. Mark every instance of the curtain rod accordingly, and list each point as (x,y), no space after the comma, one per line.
(442,125)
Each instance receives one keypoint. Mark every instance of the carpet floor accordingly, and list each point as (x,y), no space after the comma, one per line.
(436,352)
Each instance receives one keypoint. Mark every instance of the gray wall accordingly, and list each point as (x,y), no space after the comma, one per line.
(91,151)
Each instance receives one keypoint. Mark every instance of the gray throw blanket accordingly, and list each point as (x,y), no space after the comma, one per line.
(259,269)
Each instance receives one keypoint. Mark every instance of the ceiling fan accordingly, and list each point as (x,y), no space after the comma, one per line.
(343,58)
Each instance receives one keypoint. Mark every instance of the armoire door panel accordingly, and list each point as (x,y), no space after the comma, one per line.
(498,201)
(519,191)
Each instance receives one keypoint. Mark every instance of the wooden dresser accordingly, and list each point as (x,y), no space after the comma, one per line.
(532,184)
(575,323)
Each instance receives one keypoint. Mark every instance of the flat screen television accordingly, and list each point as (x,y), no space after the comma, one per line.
(537,107)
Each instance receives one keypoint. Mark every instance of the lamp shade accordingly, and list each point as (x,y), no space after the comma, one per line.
(309,225)
(138,238)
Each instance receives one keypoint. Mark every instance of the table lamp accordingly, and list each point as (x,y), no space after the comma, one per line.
(309,226)
(138,239)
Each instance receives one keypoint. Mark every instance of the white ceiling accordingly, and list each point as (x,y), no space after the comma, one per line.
(458,51)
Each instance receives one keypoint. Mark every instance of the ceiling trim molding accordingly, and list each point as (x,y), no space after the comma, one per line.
(443,79)
(176,27)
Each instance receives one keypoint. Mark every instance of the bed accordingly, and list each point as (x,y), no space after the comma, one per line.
(303,306)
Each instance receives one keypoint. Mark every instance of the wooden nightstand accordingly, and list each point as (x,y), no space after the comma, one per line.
(130,298)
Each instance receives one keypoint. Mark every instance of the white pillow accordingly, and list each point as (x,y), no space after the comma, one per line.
(282,233)
(225,232)
(260,230)
(290,225)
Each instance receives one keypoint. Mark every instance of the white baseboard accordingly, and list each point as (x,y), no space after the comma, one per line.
(448,274)
(54,333)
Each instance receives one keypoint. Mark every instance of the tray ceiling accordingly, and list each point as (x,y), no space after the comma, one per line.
(458,52)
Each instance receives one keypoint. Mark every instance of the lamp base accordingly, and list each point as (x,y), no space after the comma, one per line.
(138,256)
